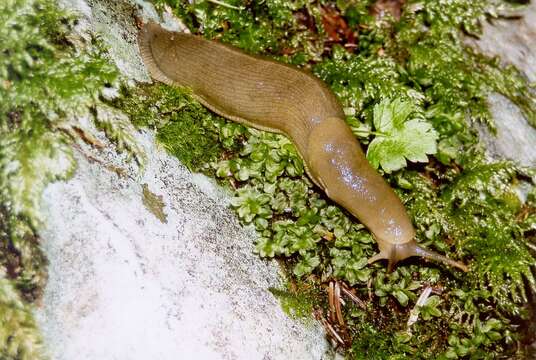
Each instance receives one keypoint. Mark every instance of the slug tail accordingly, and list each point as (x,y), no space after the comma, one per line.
(420,251)
(145,36)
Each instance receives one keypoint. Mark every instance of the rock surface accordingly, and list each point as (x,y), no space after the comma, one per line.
(153,264)
(514,41)
(125,285)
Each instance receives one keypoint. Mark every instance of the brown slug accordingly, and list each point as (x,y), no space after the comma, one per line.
(279,98)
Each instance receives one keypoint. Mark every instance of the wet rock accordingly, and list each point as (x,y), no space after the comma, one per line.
(515,138)
(514,41)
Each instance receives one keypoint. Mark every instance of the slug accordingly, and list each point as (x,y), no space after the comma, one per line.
(275,97)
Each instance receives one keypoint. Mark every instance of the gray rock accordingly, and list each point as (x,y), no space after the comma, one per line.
(515,138)
(133,281)
(514,41)
(125,285)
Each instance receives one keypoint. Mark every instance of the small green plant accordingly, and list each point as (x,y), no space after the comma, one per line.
(430,308)
(474,346)
(351,264)
(250,203)
(401,133)
(398,285)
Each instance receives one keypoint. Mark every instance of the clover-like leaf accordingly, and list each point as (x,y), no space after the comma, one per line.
(401,134)
(249,203)
(350,265)
(306,265)
(430,308)
(267,247)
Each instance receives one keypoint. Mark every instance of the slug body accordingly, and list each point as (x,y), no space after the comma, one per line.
(275,97)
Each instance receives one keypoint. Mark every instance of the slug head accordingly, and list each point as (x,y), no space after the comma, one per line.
(394,253)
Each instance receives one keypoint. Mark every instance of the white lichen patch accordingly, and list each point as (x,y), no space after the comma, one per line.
(124,285)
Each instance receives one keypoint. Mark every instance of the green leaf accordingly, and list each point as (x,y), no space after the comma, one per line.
(402,134)
(430,309)
(401,297)
(306,265)
(266,247)
(451,354)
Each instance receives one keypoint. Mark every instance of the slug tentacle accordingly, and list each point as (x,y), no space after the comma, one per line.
(378,256)
(429,254)
(381,256)
(275,97)
(394,253)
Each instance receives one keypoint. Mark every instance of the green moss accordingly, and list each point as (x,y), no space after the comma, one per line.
(19,337)
(271,27)
(189,141)
(377,345)
(31,153)
(43,84)
(185,128)
(299,300)
(502,260)
(119,129)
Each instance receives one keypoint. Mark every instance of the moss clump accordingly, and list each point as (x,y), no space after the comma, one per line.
(185,137)
(45,83)
(185,128)
(18,336)
(299,300)
(276,27)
